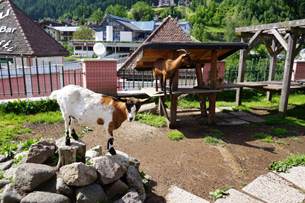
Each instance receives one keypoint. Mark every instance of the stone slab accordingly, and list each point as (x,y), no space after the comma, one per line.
(272,188)
(236,196)
(178,195)
(232,122)
(295,175)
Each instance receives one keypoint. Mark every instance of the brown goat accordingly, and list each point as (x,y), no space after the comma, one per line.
(167,69)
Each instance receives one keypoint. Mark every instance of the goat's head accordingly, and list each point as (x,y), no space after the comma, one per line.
(186,57)
(133,105)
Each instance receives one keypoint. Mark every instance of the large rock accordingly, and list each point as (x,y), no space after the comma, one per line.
(93,193)
(236,196)
(130,197)
(78,174)
(6,165)
(134,180)
(64,189)
(124,159)
(28,176)
(3,183)
(10,173)
(116,189)
(45,197)
(94,152)
(10,195)
(41,152)
(177,195)
(3,158)
(79,145)
(109,170)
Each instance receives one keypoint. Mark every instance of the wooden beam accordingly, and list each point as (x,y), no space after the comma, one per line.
(272,67)
(199,74)
(254,40)
(280,38)
(287,74)
(286,25)
(241,72)
(173,111)
(213,70)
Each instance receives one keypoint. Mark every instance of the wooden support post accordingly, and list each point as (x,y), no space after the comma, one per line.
(212,108)
(213,82)
(241,72)
(287,73)
(272,68)
(173,111)
(160,106)
(199,74)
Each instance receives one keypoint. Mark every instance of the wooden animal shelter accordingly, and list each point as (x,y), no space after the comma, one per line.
(200,54)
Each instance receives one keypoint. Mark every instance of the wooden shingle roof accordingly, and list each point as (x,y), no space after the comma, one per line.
(20,35)
(168,31)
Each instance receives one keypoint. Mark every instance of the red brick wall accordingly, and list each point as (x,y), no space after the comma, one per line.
(100,76)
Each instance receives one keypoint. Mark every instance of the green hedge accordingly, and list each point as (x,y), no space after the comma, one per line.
(29,107)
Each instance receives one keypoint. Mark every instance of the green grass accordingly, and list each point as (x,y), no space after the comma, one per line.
(289,162)
(151,119)
(175,135)
(219,193)
(279,132)
(214,137)
(13,125)
(1,174)
(264,137)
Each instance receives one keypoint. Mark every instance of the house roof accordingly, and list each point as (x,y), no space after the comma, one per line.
(168,31)
(140,26)
(64,28)
(23,36)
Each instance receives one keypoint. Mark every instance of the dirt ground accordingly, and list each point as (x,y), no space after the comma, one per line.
(190,163)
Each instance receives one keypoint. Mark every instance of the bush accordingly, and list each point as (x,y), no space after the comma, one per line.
(29,107)
(291,161)
(175,135)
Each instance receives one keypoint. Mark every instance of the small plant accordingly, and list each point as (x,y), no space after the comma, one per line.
(175,135)
(28,143)
(1,174)
(214,137)
(17,159)
(219,193)
(264,137)
(279,132)
(89,162)
(151,119)
(289,162)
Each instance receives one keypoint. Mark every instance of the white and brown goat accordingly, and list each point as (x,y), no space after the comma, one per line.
(168,68)
(78,104)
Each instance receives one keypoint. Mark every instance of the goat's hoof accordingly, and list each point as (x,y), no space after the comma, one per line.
(112,151)
(68,142)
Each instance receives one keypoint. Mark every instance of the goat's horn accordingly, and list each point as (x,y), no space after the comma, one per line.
(182,50)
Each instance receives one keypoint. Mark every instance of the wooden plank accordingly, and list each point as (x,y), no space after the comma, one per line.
(202,101)
(241,72)
(280,38)
(287,74)
(252,84)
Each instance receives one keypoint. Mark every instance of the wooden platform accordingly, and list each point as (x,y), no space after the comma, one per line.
(271,86)
(153,93)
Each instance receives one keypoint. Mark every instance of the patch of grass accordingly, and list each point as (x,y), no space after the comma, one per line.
(219,193)
(289,162)
(151,119)
(214,137)
(48,118)
(175,135)
(279,120)
(264,137)
(1,174)
(279,132)
(28,143)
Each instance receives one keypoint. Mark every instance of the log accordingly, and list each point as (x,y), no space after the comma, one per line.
(66,155)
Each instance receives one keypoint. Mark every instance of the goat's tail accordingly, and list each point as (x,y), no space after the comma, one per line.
(54,94)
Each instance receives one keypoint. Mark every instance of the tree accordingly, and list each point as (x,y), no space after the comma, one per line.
(97,16)
(117,10)
(142,11)
(172,11)
(83,33)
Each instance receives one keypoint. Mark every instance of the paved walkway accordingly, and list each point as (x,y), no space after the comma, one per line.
(269,188)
